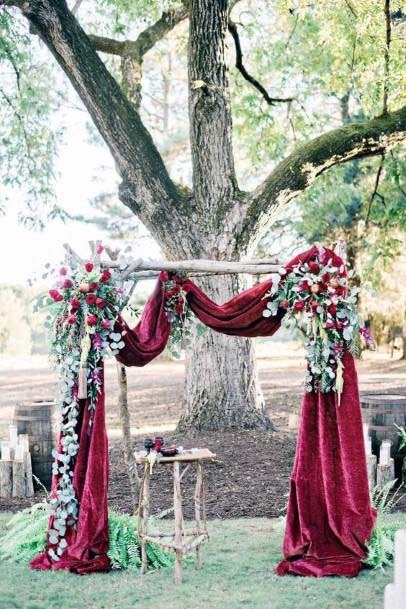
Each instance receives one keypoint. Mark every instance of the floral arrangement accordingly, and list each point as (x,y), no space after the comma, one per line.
(316,297)
(83,307)
(177,311)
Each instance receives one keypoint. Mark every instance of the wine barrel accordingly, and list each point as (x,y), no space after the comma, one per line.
(381,412)
(35,419)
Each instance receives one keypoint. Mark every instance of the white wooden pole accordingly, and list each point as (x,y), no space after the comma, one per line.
(400,569)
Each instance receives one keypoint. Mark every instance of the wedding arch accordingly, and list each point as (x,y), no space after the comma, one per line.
(330,518)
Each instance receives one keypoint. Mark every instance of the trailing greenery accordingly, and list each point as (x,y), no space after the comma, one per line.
(26,537)
(381,544)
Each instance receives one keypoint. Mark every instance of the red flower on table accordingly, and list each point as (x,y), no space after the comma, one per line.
(89,266)
(105,276)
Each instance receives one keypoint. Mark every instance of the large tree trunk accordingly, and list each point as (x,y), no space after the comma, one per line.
(221,384)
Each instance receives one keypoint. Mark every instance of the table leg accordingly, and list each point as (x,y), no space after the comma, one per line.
(198,498)
(177,505)
(144,507)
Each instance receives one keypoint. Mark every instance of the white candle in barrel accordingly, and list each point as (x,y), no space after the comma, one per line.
(12,430)
(5,450)
(367,439)
(400,568)
(384,453)
(19,453)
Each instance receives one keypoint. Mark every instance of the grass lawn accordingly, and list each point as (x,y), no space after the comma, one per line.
(237,574)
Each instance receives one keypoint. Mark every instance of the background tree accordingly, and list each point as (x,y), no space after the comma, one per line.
(311,55)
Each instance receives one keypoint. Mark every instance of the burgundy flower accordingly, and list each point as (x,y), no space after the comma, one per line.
(63,271)
(68,283)
(326,277)
(299,305)
(100,303)
(314,267)
(106,324)
(91,298)
(91,320)
(72,319)
(94,286)
(99,249)
(105,276)
(330,324)
(179,309)
(89,266)
(74,304)
(332,309)
(284,304)
(55,295)
(304,285)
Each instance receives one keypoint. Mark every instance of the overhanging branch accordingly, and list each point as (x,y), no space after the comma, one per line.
(299,170)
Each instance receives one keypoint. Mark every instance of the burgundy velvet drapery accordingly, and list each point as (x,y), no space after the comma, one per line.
(329,519)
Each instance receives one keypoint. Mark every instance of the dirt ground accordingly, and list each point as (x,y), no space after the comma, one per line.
(251,474)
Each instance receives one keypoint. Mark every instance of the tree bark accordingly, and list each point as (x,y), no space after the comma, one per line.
(216,220)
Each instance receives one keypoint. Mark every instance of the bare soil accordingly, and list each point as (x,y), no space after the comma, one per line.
(251,474)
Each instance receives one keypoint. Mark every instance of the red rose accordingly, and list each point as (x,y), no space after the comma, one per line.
(72,319)
(179,309)
(325,277)
(314,267)
(90,298)
(63,271)
(332,309)
(100,303)
(91,320)
(68,283)
(74,304)
(304,285)
(105,276)
(322,287)
(284,304)
(89,266)
(169,294)
(330,324)
(55,295)
(299,305)
(93,286)
(106,324)
(176,289)
(339,325)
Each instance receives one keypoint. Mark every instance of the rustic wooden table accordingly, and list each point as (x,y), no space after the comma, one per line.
(182,540)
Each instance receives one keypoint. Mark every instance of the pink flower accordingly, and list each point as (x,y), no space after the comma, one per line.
(89,266)
(100,303)
(55,295)
(91,298)
(99,249)
(93,286)
(332,309)
(91,320)
(330,324)
(63,271)
(299,305)
(284,304)
(106,324)
(72,319)
(68,283)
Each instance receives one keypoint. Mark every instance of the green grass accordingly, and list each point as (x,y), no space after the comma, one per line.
(237,573)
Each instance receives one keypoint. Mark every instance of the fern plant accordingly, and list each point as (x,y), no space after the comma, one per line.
(381,544)
(26,537)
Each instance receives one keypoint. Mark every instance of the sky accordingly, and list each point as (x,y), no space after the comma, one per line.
(25,252)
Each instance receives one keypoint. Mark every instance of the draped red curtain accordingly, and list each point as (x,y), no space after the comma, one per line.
(330,518)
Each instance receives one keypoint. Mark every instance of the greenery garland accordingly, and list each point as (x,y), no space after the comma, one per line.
(26,538)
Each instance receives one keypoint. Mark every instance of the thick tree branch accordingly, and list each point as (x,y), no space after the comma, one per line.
(214,178)
(299,170)
(146,183)
(272,101)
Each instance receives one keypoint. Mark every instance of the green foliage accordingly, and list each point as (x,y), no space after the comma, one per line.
(26,537)
(381,544)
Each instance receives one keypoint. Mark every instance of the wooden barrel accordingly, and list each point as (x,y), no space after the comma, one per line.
(381,412)
(35,419)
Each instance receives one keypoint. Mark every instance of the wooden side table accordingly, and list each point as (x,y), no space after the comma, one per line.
(182,540)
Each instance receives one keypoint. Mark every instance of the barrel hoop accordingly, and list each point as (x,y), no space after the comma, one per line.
(383,428)
(374,411)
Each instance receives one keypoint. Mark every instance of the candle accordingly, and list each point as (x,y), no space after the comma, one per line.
(19,453)
(12,430)
(367,439)
(384,453)
(5,450)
